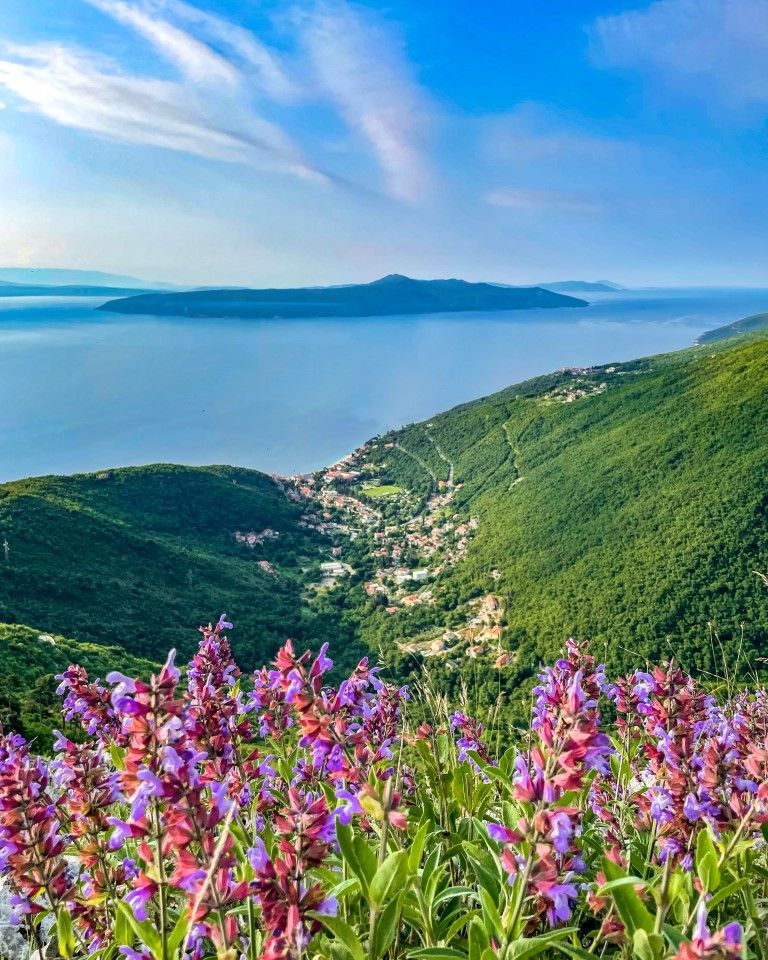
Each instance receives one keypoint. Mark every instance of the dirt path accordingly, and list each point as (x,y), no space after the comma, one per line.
(514,453)
(443,457)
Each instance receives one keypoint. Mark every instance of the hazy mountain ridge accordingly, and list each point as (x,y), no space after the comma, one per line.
(9,290)
(60,277)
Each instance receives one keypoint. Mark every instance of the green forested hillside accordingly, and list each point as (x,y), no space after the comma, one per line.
(29,661)
(758,321)
(140,557)
(627,504)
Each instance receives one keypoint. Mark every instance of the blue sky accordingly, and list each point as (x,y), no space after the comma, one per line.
(321,141)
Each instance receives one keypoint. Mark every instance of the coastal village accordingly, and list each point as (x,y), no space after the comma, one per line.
(413,540)
(412,550)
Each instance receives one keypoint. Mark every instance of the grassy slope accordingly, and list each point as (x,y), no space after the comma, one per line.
(140,557)
(641,512)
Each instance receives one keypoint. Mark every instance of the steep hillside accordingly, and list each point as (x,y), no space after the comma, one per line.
(758,321)
(140,557)
(626,503)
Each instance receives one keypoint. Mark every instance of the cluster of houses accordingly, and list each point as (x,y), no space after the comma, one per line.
(253,539)
(412,552)
(479,637)
(317,490)
(570,393)
(581,385)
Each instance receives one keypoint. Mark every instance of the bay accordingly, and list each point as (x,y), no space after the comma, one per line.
(82,390)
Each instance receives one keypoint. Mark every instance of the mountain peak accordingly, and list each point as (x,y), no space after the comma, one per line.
(391,278)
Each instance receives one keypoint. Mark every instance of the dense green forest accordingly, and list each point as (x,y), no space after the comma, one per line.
(627,504)
(139,557)
(29,662)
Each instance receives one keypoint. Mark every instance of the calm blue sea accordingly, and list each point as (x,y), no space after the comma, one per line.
(81,390)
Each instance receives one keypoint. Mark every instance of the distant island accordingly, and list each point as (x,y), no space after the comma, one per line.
(758,321)
(389,296)
(582,286)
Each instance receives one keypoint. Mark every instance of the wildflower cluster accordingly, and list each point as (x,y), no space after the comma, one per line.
(278,816)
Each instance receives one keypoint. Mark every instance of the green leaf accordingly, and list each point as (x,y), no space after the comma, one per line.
(117,754)
(389,877)
(451,893)
(631,908)
(493,924)
(576,953)
(488,880)
(356,855)
(674,936)
(647,946)
(478,939)
(527,947)
(437,953)
(124,935)
(462,920)
(417,846)
(344,934)
(65,934)
(431,865)
(386,927)
(143,929)
(344,888)
(727,891)
(365,857)
(621,882)
(345,838)
(176,938)
(707,862)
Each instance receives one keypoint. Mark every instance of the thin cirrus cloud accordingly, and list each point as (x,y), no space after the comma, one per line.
(714,48)
(525,199)
(362,69)
(533,132)
(354,62)
(88,93)
(271,74)
(195,59)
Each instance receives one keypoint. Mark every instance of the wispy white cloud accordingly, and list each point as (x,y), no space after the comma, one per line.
(360,63)
(262,62)
(343,56)
(195,59)
(716,48)
(532,200)
(89,93)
